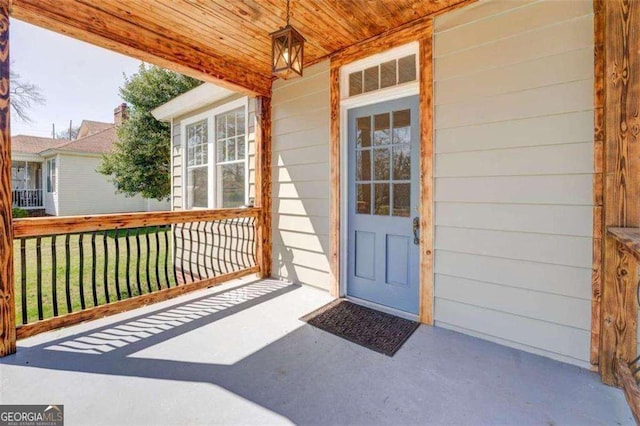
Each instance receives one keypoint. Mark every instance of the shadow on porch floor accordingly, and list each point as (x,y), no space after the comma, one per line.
(238,354)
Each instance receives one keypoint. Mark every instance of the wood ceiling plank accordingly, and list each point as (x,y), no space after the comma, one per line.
(94,26)
(146,14)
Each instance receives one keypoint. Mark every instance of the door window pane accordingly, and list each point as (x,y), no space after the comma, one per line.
(231,185)
(402,126)
(363,200)
(401,199)
(381,199)
(363,132)
(363,165)
(197,188)
(381,131)
(402,162)
(381,163)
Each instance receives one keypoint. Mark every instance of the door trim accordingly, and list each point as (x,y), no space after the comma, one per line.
(424,88)
(426,241)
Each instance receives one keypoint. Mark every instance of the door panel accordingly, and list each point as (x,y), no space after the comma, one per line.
(383,165)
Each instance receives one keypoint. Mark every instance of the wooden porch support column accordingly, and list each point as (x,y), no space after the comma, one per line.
(263,183)
(619,310)
(7,302)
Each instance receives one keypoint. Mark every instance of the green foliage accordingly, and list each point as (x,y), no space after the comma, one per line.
(140,161)
(19,213)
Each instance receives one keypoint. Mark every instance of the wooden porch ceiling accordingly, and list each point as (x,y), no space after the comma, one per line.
(225,42)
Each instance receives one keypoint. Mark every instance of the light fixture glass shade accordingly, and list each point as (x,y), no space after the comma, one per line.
(287,53)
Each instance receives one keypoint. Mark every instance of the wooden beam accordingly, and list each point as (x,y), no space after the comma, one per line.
(411,31)
(263,198)
(90,24)
(41,226)
(336,193)
(7,300)
(619,309)
(630,387)
(113,308)
(598,178)
(426,175)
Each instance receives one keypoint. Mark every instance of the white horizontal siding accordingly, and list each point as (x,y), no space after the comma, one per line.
(513,174)
(301,190)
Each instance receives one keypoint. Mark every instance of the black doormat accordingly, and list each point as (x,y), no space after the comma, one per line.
(378,331)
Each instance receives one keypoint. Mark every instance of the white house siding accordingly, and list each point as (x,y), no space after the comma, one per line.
(300,172)
(513,174)
(82,190)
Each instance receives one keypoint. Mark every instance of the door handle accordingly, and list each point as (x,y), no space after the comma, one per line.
(416,230)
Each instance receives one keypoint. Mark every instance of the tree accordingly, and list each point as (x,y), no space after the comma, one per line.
(140,161)
(64,134)
(23,96)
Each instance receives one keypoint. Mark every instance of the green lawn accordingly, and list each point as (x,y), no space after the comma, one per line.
(76,280)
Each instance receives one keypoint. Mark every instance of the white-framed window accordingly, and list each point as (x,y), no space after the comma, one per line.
(51,175)
(215,157)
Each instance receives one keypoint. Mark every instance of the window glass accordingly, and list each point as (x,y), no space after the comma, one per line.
(51,175)
(198,187)
(406,69)
(197,140)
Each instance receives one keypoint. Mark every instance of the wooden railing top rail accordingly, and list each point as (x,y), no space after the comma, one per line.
(34,227)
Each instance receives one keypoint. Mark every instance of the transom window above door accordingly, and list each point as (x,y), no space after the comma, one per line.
(216,160)
(394,68)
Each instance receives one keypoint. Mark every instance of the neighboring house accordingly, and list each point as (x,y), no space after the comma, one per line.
(59,178)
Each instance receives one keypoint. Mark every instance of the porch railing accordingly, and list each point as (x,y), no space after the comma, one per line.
(27,198)
(71,269)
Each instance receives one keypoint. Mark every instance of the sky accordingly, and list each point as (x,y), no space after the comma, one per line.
(79,80)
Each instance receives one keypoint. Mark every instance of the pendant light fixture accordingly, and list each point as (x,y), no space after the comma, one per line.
(287,51)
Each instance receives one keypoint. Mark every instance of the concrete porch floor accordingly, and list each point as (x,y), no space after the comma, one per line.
(237,354)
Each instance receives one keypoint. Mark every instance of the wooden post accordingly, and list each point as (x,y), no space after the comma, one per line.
(334,213)
(7,301)
(263,183)
(426,176)
(619,310)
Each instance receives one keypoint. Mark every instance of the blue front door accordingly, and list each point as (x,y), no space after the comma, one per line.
(383,199)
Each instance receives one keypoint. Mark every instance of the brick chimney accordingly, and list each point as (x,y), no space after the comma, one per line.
(120,114)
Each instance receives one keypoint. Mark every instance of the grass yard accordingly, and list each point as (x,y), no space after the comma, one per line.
(77,280)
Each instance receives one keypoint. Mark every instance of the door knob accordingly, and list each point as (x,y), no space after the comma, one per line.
(416,230)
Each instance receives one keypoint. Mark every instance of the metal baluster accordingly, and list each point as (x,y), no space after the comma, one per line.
(67,272)
(191,251)
(23,278)
(138,255)
(117,268)
(157,230)
(166,254)
(81,270)
(218,246)
(106,266)
(128,267)
(54,276)
(204,255)
(94,286)
(146,238)
(39,275)
(182,244)
(199,272)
